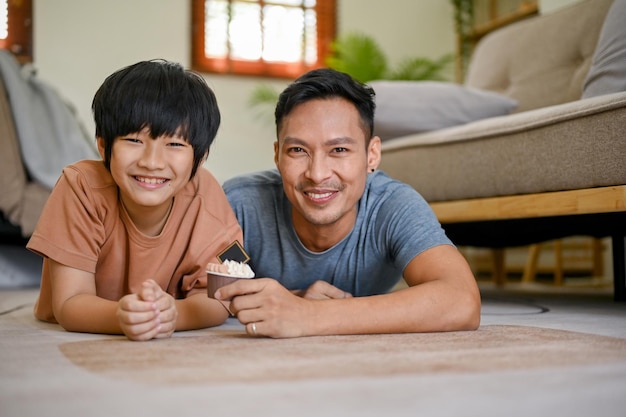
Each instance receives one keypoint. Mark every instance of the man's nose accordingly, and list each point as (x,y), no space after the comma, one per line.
(318,169)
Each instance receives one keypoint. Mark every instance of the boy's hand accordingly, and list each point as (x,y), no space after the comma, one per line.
(138,319)
(165,304)
(149,314)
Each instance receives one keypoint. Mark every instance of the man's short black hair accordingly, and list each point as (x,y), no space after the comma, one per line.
(161,96)
(327,83)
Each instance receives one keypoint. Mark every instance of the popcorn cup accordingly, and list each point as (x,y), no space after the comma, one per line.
(216,280)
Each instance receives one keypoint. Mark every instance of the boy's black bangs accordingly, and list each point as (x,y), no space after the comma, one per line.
(160,111)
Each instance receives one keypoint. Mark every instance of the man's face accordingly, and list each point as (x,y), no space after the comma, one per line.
(322,156)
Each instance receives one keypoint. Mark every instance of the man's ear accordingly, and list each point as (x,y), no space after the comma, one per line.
(276,154)
(100,143)
(373,154)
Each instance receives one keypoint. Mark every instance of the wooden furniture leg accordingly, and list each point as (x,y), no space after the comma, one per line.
(530,270)
(619,267)
(499,273)
(558,262)
(598,260)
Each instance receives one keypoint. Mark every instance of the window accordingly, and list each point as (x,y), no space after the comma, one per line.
(16,28)
(277,38)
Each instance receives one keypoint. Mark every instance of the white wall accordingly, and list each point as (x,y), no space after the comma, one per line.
(78,43)
(549,6)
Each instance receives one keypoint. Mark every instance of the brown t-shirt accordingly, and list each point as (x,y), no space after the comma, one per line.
(84,226)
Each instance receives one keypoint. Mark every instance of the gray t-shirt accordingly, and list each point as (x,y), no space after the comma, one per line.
(393,225)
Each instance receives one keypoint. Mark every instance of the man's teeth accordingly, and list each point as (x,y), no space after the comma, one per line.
(318,196)
(151,180)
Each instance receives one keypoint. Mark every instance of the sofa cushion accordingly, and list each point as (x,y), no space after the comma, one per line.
(405,107)
(541,61)
(608,69)
(563,147)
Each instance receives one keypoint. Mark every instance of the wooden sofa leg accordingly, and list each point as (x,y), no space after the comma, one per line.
(530,270)
(619,267)
(499,268)
(598,261)
(558,262)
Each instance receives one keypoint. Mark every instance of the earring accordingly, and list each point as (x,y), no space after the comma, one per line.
(372,170)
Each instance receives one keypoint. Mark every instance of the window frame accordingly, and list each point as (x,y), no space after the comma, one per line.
(20,23)
(326,11)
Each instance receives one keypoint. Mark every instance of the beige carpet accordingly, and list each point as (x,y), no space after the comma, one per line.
(219,356)
(534,356)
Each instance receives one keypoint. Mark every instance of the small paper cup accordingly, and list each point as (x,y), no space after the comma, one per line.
(216,280)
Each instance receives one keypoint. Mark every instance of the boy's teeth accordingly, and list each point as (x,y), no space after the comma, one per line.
(151,180)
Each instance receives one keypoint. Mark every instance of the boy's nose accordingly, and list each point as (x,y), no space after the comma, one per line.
(152,157)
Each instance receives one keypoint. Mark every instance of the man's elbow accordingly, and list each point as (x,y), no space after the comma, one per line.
(468,312)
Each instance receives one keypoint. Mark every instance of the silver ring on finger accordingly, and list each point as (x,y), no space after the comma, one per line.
(253,328)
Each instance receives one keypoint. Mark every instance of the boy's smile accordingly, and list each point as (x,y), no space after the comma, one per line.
(149,173)
(151,182)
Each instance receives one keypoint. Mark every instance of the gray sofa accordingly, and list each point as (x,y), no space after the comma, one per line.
(21,197)
(555,165)
(39,135)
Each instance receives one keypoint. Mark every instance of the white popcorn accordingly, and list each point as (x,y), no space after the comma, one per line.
(239,269)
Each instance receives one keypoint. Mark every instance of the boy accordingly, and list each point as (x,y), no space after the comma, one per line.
(126,240)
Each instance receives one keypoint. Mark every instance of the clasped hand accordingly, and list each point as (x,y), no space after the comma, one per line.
(148,314)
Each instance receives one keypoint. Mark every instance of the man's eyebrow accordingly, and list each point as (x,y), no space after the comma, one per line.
(344,140)
(293,141)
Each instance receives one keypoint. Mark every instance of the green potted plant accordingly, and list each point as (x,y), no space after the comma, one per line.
(360,56)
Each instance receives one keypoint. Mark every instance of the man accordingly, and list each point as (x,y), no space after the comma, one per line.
(334,235)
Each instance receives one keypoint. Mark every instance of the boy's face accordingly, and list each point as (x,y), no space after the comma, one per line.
(323,159)
(149,172)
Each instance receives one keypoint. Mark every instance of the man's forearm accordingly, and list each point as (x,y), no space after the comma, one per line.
(429,307)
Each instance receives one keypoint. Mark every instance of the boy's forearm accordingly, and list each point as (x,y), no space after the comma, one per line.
(89,314)
(198,311)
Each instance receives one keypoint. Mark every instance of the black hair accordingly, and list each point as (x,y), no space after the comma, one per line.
(327,83)
(161,96)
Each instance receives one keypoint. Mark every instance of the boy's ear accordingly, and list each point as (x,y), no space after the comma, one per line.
(100,142)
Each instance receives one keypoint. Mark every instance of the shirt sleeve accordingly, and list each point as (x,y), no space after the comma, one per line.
(410,226)
(70,229)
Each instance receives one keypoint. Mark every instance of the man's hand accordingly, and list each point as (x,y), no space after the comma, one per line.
(322,290)
(267,308)
(149,314)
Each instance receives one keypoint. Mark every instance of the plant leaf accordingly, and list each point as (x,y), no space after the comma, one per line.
(358,55)
(263,100)
(263,94)
(419,69)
